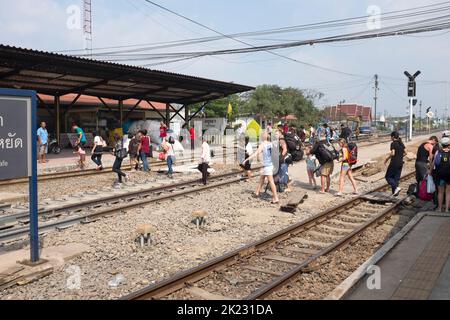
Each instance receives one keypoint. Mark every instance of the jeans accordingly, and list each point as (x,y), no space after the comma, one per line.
(97,158)
(393,175)
(170,164)
(116,168)
(145,161)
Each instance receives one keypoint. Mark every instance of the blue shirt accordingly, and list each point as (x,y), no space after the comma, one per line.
(83,136)
(43,134)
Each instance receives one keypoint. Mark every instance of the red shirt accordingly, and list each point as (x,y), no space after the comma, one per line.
(286,128)
(145,144)
(192,132)
(162,132)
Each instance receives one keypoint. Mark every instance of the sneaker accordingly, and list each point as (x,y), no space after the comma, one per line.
(339,194)
(397,192)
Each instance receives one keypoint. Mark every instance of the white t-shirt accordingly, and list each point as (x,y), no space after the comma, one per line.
(206,153)
(126,142)
(170,152)
(249,149)
(98,141)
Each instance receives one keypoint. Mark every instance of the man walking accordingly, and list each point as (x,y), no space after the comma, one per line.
(42,135)
(81,137)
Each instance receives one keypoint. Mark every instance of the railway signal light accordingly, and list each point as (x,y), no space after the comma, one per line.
(411,94)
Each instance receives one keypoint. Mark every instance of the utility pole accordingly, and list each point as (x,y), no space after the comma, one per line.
(87,26)
(375,98)
(420,115)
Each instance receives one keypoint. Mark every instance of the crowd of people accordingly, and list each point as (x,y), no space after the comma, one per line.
(327,146)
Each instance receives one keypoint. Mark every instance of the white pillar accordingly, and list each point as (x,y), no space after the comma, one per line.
(410,119)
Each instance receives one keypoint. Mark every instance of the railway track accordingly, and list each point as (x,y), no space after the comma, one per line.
(14,226)
(261,268)
(83,173)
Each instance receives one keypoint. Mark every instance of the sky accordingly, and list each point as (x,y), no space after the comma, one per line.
(43,25)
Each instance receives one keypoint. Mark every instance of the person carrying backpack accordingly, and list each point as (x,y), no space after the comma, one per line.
(326,160)
(294,146)
(442,168)
(349,154)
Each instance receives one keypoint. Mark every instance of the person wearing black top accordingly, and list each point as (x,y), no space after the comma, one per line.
(346,133)
(394,170)
(424,158)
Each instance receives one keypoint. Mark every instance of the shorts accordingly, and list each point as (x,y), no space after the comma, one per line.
(443,181)
(345,166)
(327,169)
(267,171)
(43,149)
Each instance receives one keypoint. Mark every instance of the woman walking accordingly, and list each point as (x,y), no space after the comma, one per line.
(395,168)
(248,149)
(144,149)
(346,168)
(170,155)
(442,168)
(266,149)
(120,153)
(133,149)
(97,151)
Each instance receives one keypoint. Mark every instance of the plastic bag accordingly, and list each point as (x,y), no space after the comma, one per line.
(431,187)
(162,156)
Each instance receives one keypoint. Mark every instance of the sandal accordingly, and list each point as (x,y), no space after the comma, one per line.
(254,195)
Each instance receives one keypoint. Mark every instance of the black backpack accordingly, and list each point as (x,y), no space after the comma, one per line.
(443,168)
(334,153)
(293,142)
(297,155)
(323,154)
(171,140)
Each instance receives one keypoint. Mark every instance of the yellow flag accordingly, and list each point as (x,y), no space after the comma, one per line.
(230,109)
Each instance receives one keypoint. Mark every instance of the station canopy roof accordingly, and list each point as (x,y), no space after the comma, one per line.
(58,75)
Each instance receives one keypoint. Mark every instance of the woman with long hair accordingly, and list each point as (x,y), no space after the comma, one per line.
(266,149)
(346,168)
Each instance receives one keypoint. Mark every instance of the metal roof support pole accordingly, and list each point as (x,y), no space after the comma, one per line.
(58,118)
(157,111)
(201,109)
(178,113)
(132,109)
(167,119)
(186,114)
(49,110)
(121,113)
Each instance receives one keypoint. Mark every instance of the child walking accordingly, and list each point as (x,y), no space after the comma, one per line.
(82,156)
(311,166)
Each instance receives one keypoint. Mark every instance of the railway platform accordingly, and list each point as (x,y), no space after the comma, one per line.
(416,268)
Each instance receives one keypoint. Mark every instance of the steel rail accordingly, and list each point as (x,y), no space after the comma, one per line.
(14,233)
(179,280)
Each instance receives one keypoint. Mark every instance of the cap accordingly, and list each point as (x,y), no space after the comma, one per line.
(445,141)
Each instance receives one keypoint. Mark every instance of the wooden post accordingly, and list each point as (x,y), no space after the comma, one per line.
(58,116)
(186,114)
(121,112)
(167,115)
